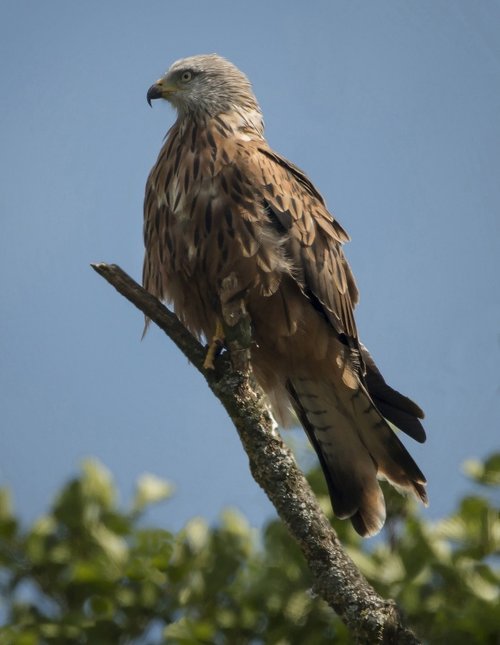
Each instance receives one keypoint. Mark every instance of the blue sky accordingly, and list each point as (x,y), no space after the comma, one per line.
(392,108)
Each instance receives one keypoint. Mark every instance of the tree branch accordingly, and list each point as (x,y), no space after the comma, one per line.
(369,617)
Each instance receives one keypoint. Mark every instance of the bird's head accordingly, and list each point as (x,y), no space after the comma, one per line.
(204,85)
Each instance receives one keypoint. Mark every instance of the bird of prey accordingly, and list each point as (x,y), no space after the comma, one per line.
(219,202)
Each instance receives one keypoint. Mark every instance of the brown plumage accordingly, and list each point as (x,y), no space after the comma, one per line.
(219,201)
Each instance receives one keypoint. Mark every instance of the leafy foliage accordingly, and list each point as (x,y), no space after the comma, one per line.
(88,572)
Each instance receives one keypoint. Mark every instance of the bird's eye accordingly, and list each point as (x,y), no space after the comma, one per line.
(186,76)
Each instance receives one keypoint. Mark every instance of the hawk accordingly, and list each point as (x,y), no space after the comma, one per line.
(219,202)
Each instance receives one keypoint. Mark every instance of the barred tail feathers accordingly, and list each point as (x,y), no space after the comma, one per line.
(355,445)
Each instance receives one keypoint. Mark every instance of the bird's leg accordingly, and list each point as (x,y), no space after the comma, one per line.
(214,346)
(236,322)
(233,328)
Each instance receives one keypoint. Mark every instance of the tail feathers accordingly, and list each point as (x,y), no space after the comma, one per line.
(355,445)
(394,462)
(350,472)
(366,523)
(394,406)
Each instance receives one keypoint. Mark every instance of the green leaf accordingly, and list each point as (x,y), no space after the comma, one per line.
(102,606)
(187,632)
(151,489)
(487,472)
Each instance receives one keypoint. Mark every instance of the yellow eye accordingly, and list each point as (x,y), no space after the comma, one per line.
(186,76)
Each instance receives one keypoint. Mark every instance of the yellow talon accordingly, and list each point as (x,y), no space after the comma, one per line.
(214,347)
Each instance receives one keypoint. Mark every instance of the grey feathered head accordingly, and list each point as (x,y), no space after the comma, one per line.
(205,84)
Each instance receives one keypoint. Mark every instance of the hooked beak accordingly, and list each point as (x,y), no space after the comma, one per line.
(154,92)
(160,90)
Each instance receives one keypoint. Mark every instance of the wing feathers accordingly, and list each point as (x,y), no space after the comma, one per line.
(397,408)
(304,217)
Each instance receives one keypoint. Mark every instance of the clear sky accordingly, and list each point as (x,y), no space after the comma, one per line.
(391,107)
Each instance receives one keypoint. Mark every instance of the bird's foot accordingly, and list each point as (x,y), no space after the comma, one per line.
(215,346)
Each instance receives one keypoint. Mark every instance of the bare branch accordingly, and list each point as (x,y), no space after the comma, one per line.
(371,618)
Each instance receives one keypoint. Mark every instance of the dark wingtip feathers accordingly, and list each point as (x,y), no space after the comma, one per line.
(397,408)
(419,488)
